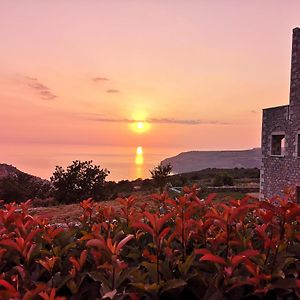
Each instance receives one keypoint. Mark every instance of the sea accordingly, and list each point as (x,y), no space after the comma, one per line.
(124,163)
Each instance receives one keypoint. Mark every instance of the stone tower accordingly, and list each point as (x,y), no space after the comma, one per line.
(281,137)
(295,75)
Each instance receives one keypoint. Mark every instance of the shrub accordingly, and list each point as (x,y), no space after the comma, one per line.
(79,181)
(182,248)
(44,202)
(223,179)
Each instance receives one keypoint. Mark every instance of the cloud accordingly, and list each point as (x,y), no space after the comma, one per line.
(158,121)
(42,90)
(184,121)
(97,79)
(112,91)
(30,78)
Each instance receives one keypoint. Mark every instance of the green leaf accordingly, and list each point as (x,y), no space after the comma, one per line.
(146,287)
(72,286)
(186,265)
(151,268)
(99,277)
(285,284)
(59,281)
(173,284)
(213,293)
(57,251)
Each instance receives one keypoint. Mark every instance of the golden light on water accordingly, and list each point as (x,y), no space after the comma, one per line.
(139,162)
(139,157)
(139,150)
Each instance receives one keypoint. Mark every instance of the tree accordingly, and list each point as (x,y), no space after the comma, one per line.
(79,181)
(160,174)
(223,179)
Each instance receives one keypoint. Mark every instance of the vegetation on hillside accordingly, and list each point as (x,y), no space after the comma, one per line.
(82,180)
(21,186)
(223,179)
(184,248)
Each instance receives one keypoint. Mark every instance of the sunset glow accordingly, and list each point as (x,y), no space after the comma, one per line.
(173,75)
(140,126)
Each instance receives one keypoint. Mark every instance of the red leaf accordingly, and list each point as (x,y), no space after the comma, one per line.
(123,242)
(164,233)
(293,213)
(151,217)
(213,258)
(11,244)
(202,251)
(162,221)
(82,258)
(31,235)
(144,226)
(8,286)
(243,256)
(96,243)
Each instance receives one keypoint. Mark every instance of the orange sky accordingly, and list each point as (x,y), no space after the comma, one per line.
(77,72)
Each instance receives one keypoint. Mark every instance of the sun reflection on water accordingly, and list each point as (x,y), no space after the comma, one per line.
(139,157)
(139,161)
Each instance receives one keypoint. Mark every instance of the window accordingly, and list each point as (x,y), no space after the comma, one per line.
(298,194)
(298,144)
(277,144)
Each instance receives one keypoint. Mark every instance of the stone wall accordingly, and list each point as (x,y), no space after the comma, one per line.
(279,172)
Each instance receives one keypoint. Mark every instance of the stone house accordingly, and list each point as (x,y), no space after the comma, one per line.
(281,137)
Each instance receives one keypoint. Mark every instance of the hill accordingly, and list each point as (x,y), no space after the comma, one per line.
(198,160)
(16,185)
(11,171)
(8,170)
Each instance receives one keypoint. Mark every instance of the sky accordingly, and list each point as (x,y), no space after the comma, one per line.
(197,73)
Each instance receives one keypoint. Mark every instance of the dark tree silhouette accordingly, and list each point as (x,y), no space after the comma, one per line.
(79,181)
(160,174)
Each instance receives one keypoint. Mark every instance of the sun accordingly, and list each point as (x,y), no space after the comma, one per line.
(140,126)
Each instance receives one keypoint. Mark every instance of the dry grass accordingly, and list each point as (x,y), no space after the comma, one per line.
(66,213)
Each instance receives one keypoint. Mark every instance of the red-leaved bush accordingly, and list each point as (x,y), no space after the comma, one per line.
(185,248)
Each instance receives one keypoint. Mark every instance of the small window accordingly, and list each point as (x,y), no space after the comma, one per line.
(298,144)
(298,194)
(278,144)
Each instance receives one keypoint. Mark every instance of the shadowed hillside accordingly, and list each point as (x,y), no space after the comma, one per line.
(16,185)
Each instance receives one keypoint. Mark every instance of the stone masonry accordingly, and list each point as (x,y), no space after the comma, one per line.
(280,168)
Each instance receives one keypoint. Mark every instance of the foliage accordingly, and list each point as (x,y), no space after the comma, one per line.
(79,181)
(160,174)
(186,248)
(113,189)
(20,187)
(222,179)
